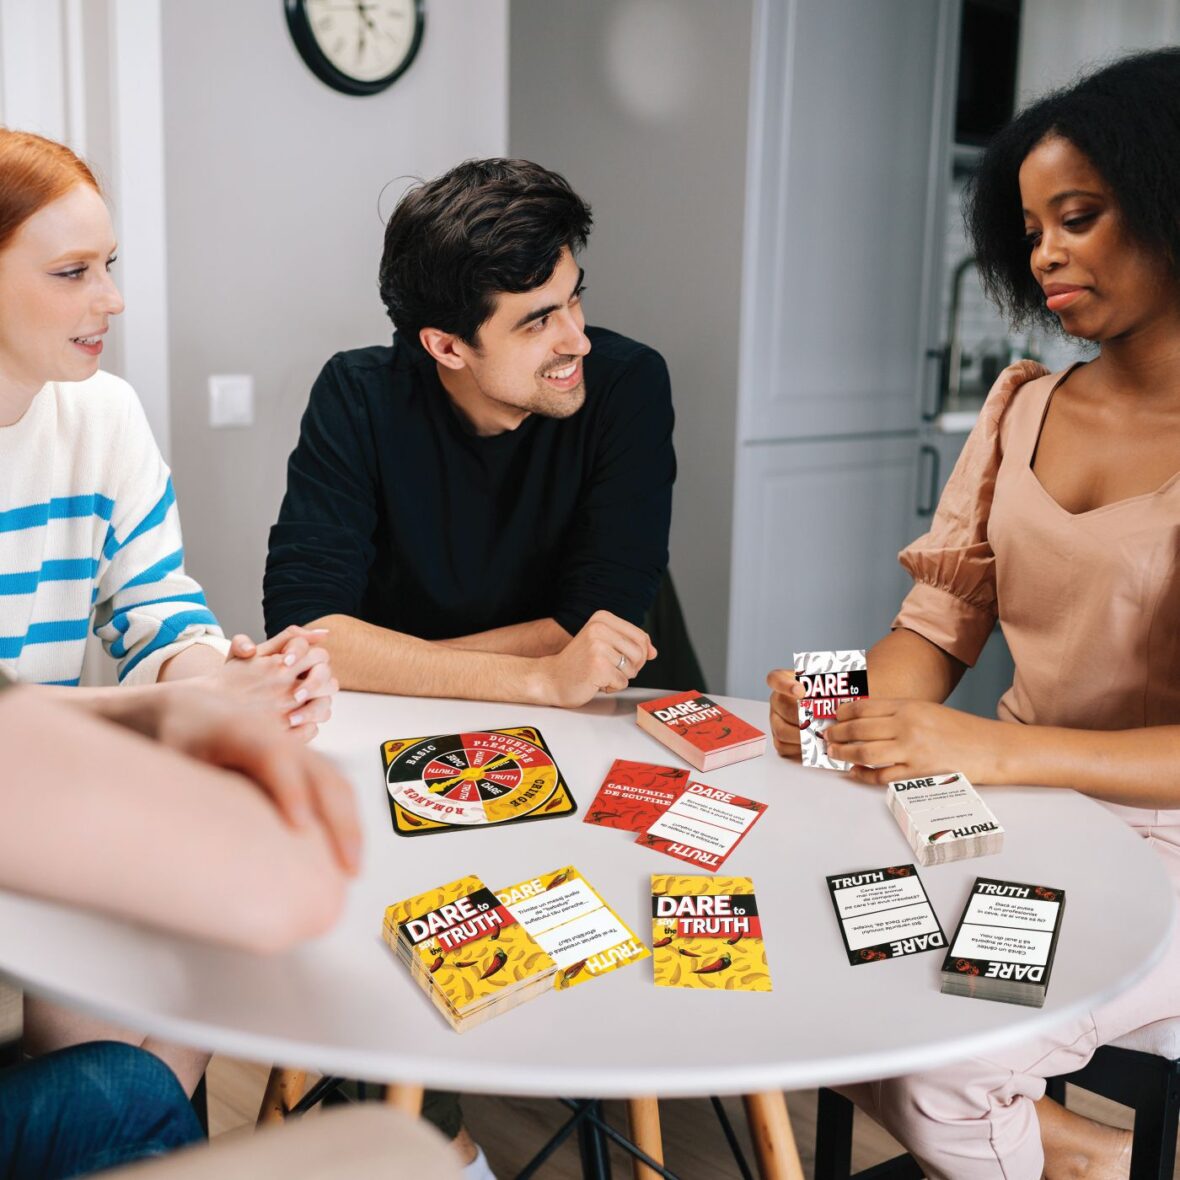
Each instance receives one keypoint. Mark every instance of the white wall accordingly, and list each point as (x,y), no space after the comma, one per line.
(273,184)
(642,105)
(1060,39)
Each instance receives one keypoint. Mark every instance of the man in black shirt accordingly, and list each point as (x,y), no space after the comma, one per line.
(481,510)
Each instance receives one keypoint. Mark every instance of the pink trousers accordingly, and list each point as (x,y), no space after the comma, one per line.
(976,1120)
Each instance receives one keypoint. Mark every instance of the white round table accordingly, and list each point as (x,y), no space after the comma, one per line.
(344,1005)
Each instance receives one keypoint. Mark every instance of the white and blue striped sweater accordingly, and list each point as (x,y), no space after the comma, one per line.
(90,537)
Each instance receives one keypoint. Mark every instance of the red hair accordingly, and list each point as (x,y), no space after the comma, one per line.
(34,171)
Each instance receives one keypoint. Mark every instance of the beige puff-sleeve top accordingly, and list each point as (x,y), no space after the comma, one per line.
(1089,602)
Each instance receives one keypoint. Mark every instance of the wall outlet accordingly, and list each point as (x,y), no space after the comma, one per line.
(231,399)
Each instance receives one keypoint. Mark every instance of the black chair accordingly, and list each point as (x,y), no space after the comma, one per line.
(676,668)
(1140,1071)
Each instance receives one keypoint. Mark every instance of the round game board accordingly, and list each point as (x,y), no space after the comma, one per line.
(472,779)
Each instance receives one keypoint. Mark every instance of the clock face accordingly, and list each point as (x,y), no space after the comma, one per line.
(358,46)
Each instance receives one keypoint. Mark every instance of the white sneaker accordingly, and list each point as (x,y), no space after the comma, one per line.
(478,1168)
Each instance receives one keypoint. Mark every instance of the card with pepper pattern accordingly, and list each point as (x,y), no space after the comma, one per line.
(706,934)
(571,922)
(467,950)
(635,794)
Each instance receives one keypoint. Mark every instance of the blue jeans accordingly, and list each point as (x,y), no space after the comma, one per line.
(89,1107)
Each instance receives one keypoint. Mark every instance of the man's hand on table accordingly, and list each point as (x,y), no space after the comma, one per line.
(289,674)
(785,694)
(889,739)
(604,656)
(201,722)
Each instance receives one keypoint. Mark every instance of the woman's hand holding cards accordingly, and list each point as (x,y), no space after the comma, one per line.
(891,739)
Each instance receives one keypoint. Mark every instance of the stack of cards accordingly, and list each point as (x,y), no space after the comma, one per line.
(829,679)
(1005,944)
(706,934)
(576,928)
(478,953)
(467,951)
(944,818)
(699,730)
(884,914)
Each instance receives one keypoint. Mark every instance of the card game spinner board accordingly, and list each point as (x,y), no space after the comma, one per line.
(472,780)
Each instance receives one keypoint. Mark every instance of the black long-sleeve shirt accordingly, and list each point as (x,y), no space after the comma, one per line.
(398,514)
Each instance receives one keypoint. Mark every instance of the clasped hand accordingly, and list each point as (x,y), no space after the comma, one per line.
(289,674)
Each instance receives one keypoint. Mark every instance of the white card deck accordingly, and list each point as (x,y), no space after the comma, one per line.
(944,818)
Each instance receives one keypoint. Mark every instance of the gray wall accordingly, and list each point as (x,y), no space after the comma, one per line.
(642,104)
(274,236)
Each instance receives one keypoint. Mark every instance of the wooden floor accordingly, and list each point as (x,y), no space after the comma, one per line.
(510,1130)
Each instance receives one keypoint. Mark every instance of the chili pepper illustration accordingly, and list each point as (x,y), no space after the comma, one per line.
(409,819)
(495,934)
(436,964)
(1045,894)
(690,954)
(572,970)
(966,967)
(713,967)
(946,782)
(560,879)
(498,961)
(938,835)
(899,871)
(734,940)
(871,956)
(596,817)
(467,963)
(554,802)
(647,839)
(663,941)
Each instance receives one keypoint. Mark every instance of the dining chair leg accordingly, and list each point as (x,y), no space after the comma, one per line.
(405,1097)
(643,1117)
(774,1141)
(284,1088)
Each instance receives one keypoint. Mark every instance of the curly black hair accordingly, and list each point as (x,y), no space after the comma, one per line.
(1125,119)
(485,227)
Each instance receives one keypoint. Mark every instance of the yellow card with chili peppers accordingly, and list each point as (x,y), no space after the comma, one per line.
(568,917)
(706,934)
(467,950)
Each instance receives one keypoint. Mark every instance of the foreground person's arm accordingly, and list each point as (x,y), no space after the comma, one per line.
(98,816)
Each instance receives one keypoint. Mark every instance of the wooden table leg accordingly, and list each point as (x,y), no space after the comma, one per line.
(284,1088)
(405,1097)
(643,1115)
(774,1141)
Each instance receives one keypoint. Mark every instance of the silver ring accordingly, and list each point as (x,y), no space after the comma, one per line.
(622,662)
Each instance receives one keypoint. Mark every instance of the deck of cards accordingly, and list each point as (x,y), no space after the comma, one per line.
(944,818)
(829,679)
(1005,944)
(467,951)
(694,727)
(477,953)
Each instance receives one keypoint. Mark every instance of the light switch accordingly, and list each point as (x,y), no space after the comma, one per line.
(231,399)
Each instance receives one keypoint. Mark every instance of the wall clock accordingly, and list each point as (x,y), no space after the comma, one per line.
(356,46)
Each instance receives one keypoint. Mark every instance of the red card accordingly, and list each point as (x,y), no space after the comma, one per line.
(635,794)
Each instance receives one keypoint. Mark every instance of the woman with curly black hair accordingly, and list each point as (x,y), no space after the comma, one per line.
(1062,521)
